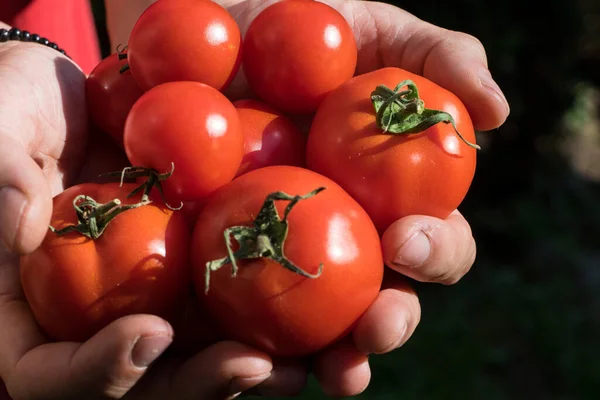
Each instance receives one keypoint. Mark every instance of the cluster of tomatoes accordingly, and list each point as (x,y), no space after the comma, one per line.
(284,249)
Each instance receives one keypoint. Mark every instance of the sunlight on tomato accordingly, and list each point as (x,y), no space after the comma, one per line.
(76,286)
(191,125)
(393,176)
(268,306)
(297,51)
(185,40)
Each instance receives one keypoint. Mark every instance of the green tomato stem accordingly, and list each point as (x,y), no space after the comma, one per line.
(404,113)
(155,179)
(93,217)
(264,239)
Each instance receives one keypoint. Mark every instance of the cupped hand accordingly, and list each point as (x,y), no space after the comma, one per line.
(423,248)
(44,148)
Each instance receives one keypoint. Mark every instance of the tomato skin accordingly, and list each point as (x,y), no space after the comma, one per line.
(110,95)
(268,306)
(191,125)
(75,286)
(297,51)
(185,40)
(270,138)
(428,173)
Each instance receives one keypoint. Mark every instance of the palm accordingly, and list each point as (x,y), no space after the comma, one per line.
(48,115)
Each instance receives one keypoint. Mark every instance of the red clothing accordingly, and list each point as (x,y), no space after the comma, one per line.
(68,23)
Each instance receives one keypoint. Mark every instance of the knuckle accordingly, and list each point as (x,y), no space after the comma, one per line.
(469,39)
(472,42)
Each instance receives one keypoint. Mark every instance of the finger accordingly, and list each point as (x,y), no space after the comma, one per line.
(287,379)
(429,249)
(219,372)
(106,366)
(390,321)
(433,52)
(25,199)
(391,37)
(342,370)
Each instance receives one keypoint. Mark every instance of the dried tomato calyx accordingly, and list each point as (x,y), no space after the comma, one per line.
(264,239)
(155,179)
(94,217)
(403,112)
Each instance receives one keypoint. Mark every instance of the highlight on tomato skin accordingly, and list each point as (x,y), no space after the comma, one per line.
(270,137)
(266,305)
(185,40)
(76,285)
(191,128)
(393,175)
(295,52)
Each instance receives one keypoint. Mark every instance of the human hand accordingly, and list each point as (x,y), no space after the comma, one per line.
(44,148)
(423,248)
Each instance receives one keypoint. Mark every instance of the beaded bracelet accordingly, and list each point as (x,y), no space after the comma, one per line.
(24,36)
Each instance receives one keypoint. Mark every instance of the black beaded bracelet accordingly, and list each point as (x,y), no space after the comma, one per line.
(24,36)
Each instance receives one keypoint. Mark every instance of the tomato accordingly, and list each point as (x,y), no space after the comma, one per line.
(266,305)
(191,125)
(297,51)
(270,138)
(75,286)
(393,176)
(185,40)
(110,95)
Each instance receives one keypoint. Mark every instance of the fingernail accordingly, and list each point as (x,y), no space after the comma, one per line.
(400,333)
(147,349)
(12,204)
(488,82)
(239,384)
(415,251)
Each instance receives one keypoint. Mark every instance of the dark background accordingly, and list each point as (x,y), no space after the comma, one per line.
(525,323)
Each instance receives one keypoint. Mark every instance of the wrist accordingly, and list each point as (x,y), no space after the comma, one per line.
(16,35)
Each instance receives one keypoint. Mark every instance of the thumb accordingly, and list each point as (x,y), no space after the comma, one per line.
(25,199)
(106,366)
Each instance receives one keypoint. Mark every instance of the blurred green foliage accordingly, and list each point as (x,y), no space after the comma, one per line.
(525,322)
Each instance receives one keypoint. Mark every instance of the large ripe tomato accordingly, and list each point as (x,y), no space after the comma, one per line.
(185,40)
(297,51)
(75,285)
(110,95)
(393,176)
(267,305)
(270,138)
(191,125)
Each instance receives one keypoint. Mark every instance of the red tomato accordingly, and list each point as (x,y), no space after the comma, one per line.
(191,125)
(75,286)
(110,95)
(297,51)
(267,305)
(270,138)
(392,176)
(185,40)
